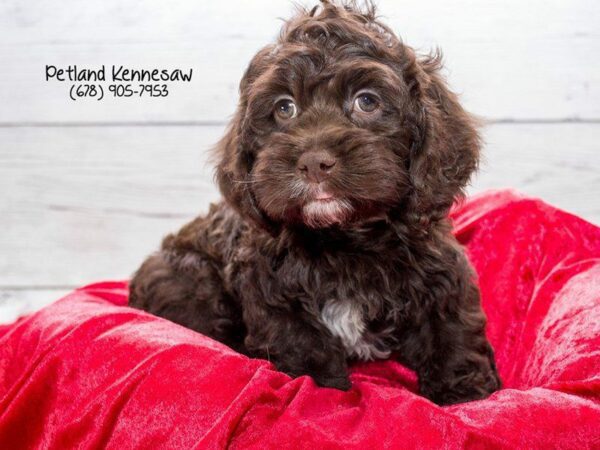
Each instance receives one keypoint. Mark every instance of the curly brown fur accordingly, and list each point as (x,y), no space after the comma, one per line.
(333,241)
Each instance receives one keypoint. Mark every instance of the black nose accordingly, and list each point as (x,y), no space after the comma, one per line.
(316,165)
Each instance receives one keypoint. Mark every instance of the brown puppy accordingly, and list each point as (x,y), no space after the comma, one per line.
(333,243)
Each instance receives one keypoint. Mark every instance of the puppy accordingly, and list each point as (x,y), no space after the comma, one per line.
(333,243)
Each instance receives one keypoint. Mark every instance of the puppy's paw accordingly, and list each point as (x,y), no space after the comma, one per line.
(342,383)
(472,386)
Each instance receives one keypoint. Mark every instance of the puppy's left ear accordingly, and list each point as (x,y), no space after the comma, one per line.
(445,142)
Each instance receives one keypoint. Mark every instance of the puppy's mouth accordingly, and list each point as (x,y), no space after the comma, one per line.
(323,209)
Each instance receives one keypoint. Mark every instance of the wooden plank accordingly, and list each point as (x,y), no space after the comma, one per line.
(89,203)
(85,204)
(15,303)
(559,163)
(510,59)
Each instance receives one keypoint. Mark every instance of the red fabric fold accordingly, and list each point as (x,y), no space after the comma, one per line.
(89,372)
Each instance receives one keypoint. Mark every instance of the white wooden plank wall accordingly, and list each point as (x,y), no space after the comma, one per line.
(88,188)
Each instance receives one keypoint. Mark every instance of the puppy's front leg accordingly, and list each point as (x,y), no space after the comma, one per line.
(296,343)
(458,362)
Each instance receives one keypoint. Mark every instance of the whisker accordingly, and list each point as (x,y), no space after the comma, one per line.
(244,181)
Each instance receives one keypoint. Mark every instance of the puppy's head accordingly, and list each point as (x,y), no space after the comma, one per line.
(339,123)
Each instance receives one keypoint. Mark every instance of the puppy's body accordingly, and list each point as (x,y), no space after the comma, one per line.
(311,300)
(333,242)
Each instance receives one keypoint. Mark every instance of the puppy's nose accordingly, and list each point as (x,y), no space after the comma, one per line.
(316,165)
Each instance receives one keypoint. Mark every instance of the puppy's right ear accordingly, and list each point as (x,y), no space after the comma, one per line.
(235,156)
(233,173)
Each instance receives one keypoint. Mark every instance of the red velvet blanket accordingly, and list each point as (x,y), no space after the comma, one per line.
(88,372)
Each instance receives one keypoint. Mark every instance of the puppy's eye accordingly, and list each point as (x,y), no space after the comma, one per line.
(366,102)
(286,109)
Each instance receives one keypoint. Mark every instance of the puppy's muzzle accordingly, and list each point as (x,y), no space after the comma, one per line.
(316,165)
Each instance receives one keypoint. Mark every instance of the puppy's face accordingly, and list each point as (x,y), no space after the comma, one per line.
(339,123)
(328,148)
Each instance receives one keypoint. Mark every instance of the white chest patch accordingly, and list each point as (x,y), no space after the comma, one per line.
(346,321)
